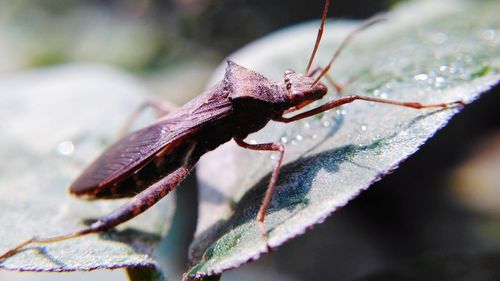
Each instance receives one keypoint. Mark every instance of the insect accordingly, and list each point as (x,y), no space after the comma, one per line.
(147,164)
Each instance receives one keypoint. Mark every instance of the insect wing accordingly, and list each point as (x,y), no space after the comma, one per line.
(136,149)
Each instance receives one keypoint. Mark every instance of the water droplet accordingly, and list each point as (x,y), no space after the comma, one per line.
(489,34)
(364,127)
(253,141)
(443,68)
(314,136)
(326,124)
(307,125)
(439,81)
(421,77)
(284,140)
(65,148)
(298,137)
(272,156)
(384,96)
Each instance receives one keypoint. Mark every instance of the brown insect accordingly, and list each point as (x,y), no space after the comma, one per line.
(147,164)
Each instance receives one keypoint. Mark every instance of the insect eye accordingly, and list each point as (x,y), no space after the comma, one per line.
(298,95)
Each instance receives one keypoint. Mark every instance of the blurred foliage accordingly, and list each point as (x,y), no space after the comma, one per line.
(147,35)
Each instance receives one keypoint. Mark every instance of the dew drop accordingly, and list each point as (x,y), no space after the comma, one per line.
(489,34)
(443,68)
(65,148)
(299,137)
(439,81)
(364,127)
(253,142)
(284,140)
(384,96)
(325,124)
(421,77)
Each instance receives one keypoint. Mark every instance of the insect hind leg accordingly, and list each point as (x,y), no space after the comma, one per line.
(42,240)
(127,211)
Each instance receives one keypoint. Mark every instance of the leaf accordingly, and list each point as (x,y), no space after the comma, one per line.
(427,52)
(54,125)
(142,273)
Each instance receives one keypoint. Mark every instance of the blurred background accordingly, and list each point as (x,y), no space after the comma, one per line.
(436,218)
(167,43)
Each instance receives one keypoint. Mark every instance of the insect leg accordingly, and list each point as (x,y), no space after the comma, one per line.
(272,183)
(132,208)
(160,107)
(338,87)
(349,99)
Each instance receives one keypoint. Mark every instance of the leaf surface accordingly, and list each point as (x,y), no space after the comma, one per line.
(426,52)
(54,124)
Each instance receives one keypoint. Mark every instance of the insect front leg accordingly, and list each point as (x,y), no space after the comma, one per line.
(272,182)
(132,208)
(349,99)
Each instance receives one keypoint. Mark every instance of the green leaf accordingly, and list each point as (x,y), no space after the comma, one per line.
(53,126)
(426,52)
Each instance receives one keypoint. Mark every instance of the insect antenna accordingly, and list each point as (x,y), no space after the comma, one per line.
(349,37)
(318,37)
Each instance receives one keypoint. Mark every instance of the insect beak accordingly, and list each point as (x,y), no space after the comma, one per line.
(298,106)
(303,104)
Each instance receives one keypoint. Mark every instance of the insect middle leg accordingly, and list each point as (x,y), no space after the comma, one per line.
(272,182)
(132,208)
(161,108)
(349,99)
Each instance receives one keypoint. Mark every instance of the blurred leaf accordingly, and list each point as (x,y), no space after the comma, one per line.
(53,125)
(32,34)
(427,52)
(142,273)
